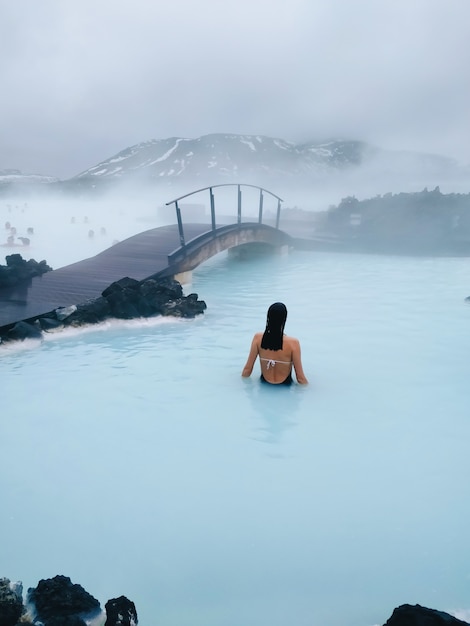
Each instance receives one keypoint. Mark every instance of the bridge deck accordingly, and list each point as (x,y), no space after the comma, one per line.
(138,257)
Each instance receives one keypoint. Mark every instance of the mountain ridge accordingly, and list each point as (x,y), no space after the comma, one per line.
(340,165)
(227,156)
(335,167)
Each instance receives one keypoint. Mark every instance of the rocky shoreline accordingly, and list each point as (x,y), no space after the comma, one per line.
(125,299)
(59,602)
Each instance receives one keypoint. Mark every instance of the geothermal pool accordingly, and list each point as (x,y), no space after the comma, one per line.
(137,461)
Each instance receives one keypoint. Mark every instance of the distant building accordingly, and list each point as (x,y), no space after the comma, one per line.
(355,219)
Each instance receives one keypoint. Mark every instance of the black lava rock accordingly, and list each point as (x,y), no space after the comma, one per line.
(120,612)
(11,604)
(58,598)
(416,615)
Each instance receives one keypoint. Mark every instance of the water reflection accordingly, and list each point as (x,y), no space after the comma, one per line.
(277,408)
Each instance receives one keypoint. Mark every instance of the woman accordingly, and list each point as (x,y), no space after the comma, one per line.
(277,352)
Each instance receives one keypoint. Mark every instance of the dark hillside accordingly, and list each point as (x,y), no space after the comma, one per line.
(423,222)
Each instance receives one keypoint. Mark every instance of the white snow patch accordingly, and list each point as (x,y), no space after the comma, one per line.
(182,168)
(248,143)
(323,152)
(279,144)
(120,158)
(103,171)
(142,164)
(167,153)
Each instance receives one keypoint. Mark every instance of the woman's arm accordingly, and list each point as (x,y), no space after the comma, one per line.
(297,362)
(251,357)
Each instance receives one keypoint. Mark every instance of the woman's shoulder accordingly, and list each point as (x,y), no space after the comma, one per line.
(291,341)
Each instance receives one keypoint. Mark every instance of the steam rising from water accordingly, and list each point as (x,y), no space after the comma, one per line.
(62,225)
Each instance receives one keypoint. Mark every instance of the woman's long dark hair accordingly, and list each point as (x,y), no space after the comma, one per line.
(276,319)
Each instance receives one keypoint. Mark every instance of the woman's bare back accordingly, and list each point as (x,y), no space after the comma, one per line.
(276,365)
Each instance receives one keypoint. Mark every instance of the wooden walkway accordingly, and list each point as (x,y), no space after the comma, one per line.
(138,257)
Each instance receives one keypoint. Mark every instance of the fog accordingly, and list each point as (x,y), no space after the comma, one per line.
(98,216)
(69,230)
(82,81)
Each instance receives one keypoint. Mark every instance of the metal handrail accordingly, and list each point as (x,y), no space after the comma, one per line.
(224,185)
(212,203)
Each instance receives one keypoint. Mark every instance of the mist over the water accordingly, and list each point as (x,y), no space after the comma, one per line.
(69,229)
(116,208)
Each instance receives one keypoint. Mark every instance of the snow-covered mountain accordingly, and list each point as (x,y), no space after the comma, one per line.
(327,170)
(219,157)
(342,166)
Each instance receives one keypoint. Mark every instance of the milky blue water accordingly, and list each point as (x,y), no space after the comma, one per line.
(137,461)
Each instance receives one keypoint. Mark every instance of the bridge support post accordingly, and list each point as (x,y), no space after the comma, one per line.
(184,278)
(239,213)
(180,224)
(278,214)
(212,208)
(260,216)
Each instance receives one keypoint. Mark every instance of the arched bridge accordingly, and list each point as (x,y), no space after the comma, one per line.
(218,238)
(171,250)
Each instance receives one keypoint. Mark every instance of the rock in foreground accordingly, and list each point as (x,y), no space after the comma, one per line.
(58,601)
(11,603)
(120,612)
(416,615)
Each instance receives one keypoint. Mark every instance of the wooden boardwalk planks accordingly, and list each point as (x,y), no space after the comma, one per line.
(138,257)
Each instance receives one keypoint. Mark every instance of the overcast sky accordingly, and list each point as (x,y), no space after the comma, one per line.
(83,79)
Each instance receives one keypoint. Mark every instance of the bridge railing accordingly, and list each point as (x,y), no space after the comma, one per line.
(262,191)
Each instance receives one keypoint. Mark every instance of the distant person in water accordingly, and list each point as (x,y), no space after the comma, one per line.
(277,352)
